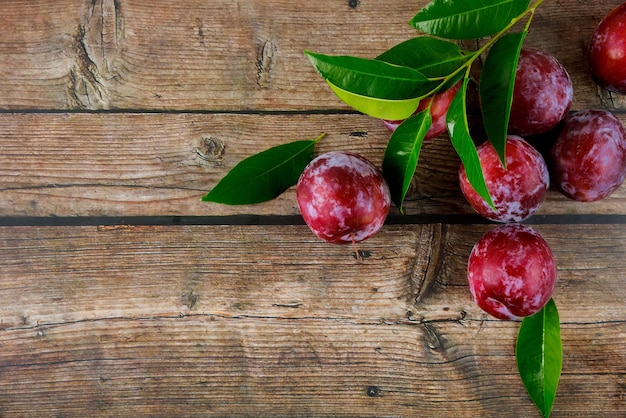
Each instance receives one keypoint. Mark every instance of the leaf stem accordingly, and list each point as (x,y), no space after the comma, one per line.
(322,135)
(357,253)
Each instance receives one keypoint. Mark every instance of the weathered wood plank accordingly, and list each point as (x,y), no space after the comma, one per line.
(241,320)
(162,164)
(84,273)
(199,366)
(226,55)
(193,55)
(410,271)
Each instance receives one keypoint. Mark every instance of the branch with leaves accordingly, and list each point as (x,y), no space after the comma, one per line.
(390,87)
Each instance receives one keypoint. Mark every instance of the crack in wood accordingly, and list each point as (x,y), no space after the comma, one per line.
(265,62)
(359,134)
(87,88)
(41,327)
(432,339)
(200,27)
(433,260)
(292,305)
(102,185)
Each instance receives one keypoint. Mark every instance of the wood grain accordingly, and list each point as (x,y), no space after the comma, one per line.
(227,55)
(410,271)
(196,55)
(113,110)
(162,164)
(195,366)
(227,320)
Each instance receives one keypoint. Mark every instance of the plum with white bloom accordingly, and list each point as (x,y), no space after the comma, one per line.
(542,95)
(343,197)
(512,272)
(589,155)
(518,190)
(607,51)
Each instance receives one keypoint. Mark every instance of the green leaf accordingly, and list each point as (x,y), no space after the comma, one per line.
(378,108)
(402,153)
(458,129)
(263,176)
(463,19)
(497,80)
(539,355)
(371,78)
(430,56)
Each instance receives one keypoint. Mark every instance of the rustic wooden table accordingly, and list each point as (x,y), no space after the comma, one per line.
(121,293)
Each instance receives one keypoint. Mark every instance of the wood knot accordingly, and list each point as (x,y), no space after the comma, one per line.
(189,299)
(264,63)
(95,48)
(614,102)
(432,339)
(211,151)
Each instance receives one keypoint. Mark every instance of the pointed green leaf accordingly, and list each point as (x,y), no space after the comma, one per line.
(497,80)
(371,78)
(458,129)
(263,176)
(378,108)
(463,19)
(539,355)
(402,153)
(432,57)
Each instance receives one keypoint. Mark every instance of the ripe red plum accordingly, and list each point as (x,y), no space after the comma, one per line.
(518,190)
(607,51)
(589,156)
(542,95)
(511,272)
(343,197)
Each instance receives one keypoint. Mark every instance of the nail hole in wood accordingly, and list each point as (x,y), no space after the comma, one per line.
(372,391)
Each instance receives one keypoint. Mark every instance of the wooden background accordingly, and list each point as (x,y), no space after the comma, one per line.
(121,293)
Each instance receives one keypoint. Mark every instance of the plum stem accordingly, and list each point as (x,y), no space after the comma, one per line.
(357,254)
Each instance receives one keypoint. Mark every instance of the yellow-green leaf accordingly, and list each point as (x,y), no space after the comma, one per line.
(378,108)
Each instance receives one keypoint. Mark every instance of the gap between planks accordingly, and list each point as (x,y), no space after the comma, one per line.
(277,220)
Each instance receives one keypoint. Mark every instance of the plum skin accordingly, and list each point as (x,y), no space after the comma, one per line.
(438,111)
(542,94)
(588,158)
(343,197)
(607,51)
(512,272)
(517,191)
